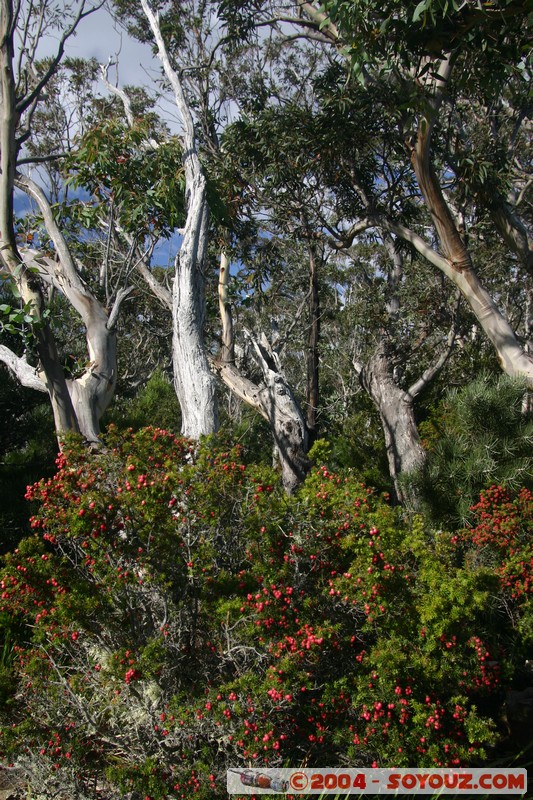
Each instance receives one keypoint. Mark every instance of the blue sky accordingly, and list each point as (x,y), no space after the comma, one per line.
(100,37)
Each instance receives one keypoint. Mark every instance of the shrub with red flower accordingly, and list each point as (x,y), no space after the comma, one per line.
(176,613)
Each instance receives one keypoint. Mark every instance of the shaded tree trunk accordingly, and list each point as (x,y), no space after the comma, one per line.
(313,338)
(405,453)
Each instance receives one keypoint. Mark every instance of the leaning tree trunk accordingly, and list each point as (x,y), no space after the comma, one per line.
(405,453)
(456,262)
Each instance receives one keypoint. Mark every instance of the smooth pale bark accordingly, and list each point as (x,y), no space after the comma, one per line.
(455,261)
(272,398)
(92,391)
(194,381)
(25,374)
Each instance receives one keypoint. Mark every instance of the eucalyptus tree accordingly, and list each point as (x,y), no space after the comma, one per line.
(458,75)
(436,86)
(314,167)
(195,65)
(38,252)
(194,379)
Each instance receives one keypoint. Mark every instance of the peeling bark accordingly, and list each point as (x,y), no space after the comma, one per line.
(193,380)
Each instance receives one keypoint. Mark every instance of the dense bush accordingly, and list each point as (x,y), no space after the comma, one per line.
(478,436)
(176,613)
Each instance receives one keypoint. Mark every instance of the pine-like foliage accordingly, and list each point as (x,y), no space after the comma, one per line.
(482,437)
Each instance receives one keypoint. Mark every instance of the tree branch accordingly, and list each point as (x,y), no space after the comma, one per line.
(25,102)
(41,159)
(120,93)
(23,372)
(433,370)
(66,276)
(322,21)
(190,148)
(121,295)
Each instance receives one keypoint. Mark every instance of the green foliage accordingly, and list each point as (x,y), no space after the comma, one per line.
(17,318)
(500,538)
(478,437)
(396,32)
(154,404)
(180,614)
(145,182)
(28,447)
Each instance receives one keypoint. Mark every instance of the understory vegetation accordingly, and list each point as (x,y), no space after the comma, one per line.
(175,613)
(266,375)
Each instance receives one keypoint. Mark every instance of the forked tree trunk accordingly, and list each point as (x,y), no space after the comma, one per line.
(78,403)
(272,397)
(91,392)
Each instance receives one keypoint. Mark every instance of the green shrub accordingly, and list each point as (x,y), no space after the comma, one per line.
(478,437)
(182,615)
(154,404)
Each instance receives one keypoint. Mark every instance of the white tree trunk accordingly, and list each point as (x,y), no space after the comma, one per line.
(194,381)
